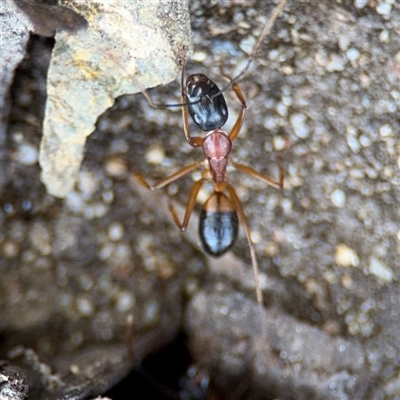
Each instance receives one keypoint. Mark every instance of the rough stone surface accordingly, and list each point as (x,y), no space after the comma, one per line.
(127,47)
(14,37)
(323,102)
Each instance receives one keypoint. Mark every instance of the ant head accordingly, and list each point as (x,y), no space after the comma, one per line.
(206,107)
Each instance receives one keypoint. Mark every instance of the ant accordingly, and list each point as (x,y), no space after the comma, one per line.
(202,99)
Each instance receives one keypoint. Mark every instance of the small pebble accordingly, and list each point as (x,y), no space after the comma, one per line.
(87,184)
(279,143)
(74,202)
(380,269)
(199,56)
(352,54)
(386,130)
(256,237)
(365,141)
(300,128)
(286,205)
(384,9)
(126,301)
(384,36)
(74,369)
(85,306)
(338,198)
(10,249)
(335,63)
(346,256)
(360,3)
(247,44)
(353,143)
(115,231)
(116,167)
(27,154)
(155,155)
(281,109)
(344,42)
(95,210)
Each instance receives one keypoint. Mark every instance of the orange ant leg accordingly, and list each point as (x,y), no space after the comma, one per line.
(129,337)
(189,207)
(250,171)
(243,220)
(239,121)
(192,196)
(169,179)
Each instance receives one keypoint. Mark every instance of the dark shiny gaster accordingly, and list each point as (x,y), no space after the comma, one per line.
(218,225)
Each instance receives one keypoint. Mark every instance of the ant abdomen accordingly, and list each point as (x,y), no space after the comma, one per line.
(208,112)
(219,224)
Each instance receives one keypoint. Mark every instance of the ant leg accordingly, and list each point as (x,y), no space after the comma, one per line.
(164,106)
(150,101)
(189,207)
(250,171)
(239,121)
(169,179)
(195,141)
(243,220)
(129,337)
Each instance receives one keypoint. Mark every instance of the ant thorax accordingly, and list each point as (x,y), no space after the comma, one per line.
(217,146)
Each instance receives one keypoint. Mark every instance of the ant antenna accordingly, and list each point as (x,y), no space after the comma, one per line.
(164,106)
(264,33)
(266,30)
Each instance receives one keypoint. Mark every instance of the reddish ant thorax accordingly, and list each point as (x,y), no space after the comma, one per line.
(217,147)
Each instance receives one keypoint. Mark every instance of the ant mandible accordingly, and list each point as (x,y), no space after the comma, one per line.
(219,219)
